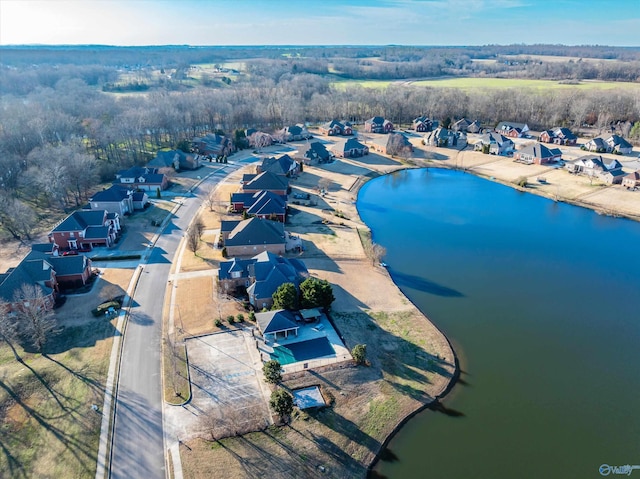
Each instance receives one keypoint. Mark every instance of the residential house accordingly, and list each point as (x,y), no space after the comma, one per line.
(277,324)
(85,229)
(337,128)
(252,236)
(378,124)
(295,133)
(597,145)
(314,152)
(140,200)
(260,276)
(466,125)
(46,270)
(422,124)
(143,178)
(617,144)
(495,144)
(266,181)
(213,145)
(512,130)
(632,180)
(559,136)
(594,166)
(115,199)
(283,165)
(258,139)
(537,153)
(444,137)
(176,159)
(351,148)
(263,204)
(394,142)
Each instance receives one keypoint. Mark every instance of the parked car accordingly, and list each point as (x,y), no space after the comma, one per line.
(71,252)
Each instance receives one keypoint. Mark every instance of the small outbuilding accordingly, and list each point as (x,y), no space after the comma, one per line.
(310,315)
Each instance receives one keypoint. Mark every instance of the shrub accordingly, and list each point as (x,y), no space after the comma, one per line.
(281,402)
(522,181)
(218,323)
(230,319)
(224,252)
(272,371)
(359,353)
(252,316)
(240,318)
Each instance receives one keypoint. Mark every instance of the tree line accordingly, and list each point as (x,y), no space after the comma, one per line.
(64,136)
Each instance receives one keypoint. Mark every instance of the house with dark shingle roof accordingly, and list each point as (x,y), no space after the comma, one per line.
(444,137)
(512,129)
(176,159)
(378,124)
(277,323)
(497,144)
(116,199)
(252,236)
(422,124)
(351,148)
(284,165)
(467,126)
(268,205)
(594,166)
(559,136)
(337,128)
(43,268)
(617,144)
(266,181)
(537,153)
(85,229)
(143,178)
(213,145)
(314,152)
(295,133)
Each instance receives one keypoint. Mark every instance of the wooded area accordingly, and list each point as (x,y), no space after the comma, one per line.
(73,116)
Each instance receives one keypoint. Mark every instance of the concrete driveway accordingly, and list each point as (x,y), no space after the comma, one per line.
(228,393)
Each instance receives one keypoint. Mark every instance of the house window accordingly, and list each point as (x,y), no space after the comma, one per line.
(72,235)
(235,274)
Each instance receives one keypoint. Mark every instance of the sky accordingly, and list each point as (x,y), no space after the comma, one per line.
(320,22)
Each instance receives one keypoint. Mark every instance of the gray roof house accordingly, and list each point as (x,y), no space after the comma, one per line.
(213,145)
(252,236)
(283,165)
(443,137)
(597,145)
(314,152)
(512,129)
(617,144)
(537,153)
(351,148)
(295,133)
(265,181)
(176,159)
(335,127)
(144,178)
(498,144)
(594,166)
(278,323)
(116,199)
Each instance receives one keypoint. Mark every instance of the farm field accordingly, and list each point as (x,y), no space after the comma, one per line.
(472,83)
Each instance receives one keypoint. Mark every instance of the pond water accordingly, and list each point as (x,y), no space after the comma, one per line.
(541,301)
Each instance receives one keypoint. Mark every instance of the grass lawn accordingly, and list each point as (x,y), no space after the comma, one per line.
(49,428)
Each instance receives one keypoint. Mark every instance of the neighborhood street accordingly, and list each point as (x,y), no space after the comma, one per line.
(137,445)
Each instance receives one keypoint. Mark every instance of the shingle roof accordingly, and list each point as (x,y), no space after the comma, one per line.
(267,181)
(256,231)
(538,150)
(280,166)
(267,203)
(276,321)
(619,141)
(352,144)
(80,220)
(115,193)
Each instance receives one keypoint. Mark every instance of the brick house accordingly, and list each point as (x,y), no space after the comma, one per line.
(378,124)
(537,154)
(85,229)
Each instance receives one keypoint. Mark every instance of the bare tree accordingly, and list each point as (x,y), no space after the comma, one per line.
(16,217)
(193,239)
(210,198)
(374,252)
(198,225)
(36,322)
(173,356)
(8,330)
(324,184)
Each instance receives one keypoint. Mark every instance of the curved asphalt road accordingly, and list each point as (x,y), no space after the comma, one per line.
(137,446)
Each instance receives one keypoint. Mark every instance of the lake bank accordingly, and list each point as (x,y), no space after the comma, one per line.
(549,366)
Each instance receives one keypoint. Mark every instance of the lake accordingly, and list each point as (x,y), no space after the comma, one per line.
(541,301)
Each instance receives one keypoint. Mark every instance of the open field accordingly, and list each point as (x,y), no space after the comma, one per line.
(48,426)
(472,84)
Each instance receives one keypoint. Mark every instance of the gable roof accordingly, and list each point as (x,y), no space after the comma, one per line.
(538,150)
(115,193)
(511,125)
(618,141)
(566,133)
(495,137)
(352,144)
(598,142)
(313,150)
(234,265)
(276,321)
(280,166)
(266,181)
(266,203)
(81,220)
(256,231)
